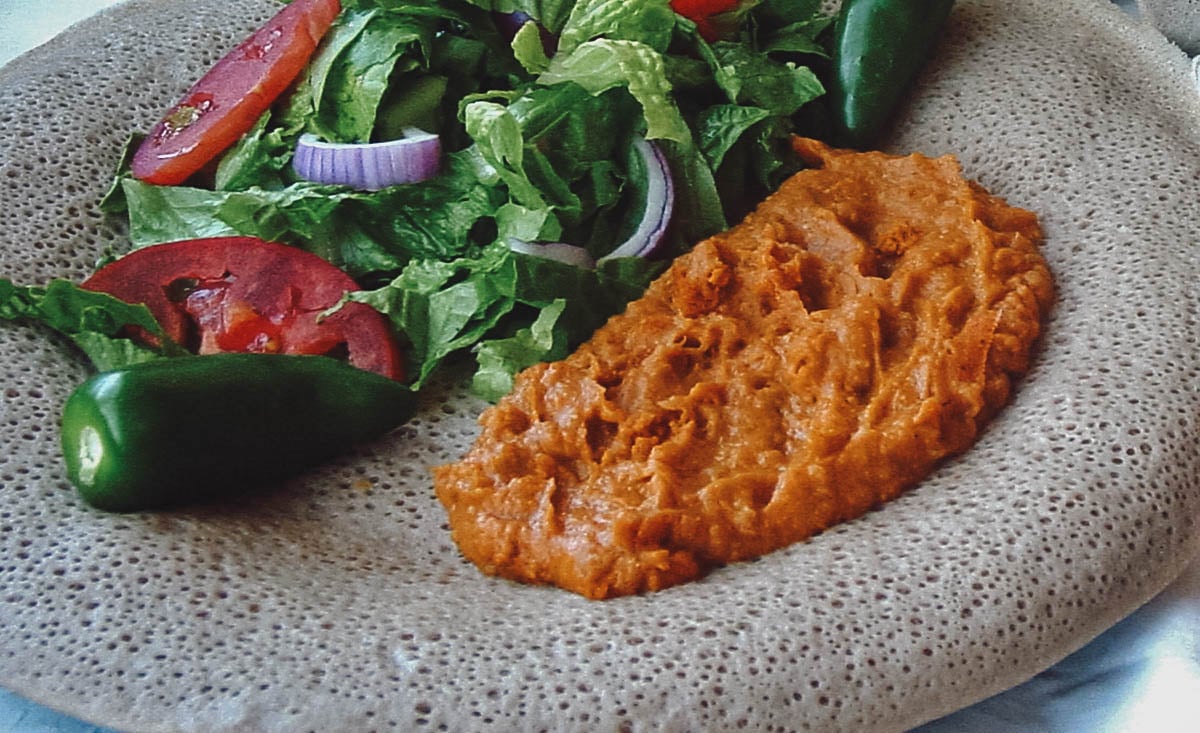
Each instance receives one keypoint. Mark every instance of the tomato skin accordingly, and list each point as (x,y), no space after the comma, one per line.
(226,102)
(700,11)
(227,294)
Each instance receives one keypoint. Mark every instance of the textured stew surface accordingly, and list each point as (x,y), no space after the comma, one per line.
(794,372)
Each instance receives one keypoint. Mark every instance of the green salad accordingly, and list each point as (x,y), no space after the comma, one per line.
(537,121)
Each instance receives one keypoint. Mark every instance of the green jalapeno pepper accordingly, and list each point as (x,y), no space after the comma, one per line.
(878,48)
(195,428)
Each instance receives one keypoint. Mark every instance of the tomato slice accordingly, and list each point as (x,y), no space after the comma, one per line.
(701,11)
(245,294)
(230,98)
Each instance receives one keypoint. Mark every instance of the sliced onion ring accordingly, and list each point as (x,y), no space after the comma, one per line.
(660,204)
(369,166)
(656,217)
(558,251)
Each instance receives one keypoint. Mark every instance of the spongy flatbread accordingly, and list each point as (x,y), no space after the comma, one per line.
(339,603)
(1179,20)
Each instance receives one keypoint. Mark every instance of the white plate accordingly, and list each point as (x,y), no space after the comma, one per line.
(324,606)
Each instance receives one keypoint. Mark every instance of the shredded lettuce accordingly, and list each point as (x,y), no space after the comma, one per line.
(538,130)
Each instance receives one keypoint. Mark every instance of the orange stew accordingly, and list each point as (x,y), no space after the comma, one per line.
(794,372)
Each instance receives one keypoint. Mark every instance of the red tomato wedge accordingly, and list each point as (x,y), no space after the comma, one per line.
(245,294)
(230,98)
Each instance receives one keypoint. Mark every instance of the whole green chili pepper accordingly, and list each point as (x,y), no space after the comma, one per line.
(878,48)
(195,428)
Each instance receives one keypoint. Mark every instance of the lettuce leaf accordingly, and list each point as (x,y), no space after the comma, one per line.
(443,307)
(500,359)
(348,94)
(722,126)
(647,22)
(298,213)
(790,26)
(529,49)
(605,63)
(96,322)
(757,79)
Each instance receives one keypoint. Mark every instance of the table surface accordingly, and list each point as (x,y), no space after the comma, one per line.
(1141,675)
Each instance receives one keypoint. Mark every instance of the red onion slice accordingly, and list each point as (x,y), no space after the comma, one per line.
(369,166)
(558,251)
(660,204)
(510,23)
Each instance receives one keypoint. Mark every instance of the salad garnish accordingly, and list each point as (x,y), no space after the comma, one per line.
(560,123)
